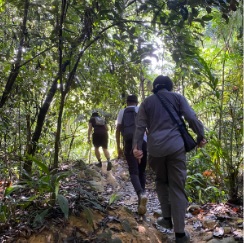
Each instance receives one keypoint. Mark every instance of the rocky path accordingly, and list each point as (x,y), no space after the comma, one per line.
(206,223)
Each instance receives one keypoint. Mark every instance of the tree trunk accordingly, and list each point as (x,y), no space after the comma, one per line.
(16,66)
(38,129)
(58,133)
(221,102)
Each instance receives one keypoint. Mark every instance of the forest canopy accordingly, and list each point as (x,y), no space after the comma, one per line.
(63,59)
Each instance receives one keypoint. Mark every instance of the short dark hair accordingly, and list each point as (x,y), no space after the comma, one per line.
(94,114)
(132,98)
(162,82)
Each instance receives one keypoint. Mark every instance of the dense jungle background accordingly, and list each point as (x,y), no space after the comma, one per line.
(63,59)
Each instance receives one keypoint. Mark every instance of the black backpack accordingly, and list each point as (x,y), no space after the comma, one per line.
(128,123)
(99,121)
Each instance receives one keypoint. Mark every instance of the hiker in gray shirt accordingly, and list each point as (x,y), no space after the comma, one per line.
(167,155)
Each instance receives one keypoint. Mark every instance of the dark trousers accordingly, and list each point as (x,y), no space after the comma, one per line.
(136,170)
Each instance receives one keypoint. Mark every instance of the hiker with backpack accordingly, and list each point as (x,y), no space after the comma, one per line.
(99,138)
(126,127)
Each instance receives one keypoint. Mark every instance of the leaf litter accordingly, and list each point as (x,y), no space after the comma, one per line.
(103,208)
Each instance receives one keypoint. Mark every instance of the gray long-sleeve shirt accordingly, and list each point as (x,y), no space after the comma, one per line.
(164,137)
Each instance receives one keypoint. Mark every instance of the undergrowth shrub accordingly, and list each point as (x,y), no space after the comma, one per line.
(204,184)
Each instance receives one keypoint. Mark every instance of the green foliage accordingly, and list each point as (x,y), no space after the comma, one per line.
(89,216)
(205,176)
(5,212)
(64,205)
(11,189)
(200,189)
(45,183)
(48,182)
(10,204)
(39,218)
(114,197)
(99,52)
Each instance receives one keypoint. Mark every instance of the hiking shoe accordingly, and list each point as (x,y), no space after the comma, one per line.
(142,203)
(184,239)
(109,166)
(99,164)
(165,223)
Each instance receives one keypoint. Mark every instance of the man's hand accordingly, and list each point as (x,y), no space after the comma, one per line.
(202,143)
(138,154)
(120,152)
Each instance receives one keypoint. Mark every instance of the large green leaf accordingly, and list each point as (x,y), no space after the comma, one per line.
(207,17)
(11,189)
(64,205)
(39,218)
(40,164)
(89,215)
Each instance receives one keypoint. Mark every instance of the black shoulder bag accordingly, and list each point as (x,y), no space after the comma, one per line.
(189,142)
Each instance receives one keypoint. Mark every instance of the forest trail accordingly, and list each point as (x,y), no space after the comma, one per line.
(103,208)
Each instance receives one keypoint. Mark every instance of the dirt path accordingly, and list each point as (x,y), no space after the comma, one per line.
(206,223)
(103,208)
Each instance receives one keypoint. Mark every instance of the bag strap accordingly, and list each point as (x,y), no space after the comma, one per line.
(168,110)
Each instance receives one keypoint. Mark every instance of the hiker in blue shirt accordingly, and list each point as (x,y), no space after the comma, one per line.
(125,127)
